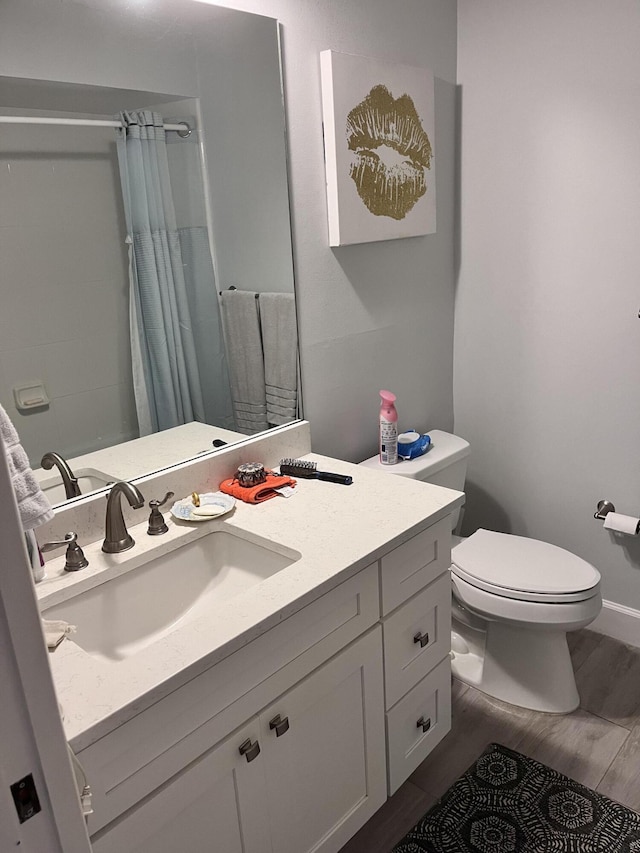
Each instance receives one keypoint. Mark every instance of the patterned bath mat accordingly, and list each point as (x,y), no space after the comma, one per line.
(508,803)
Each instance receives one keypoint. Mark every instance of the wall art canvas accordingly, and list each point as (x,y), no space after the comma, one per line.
(379,156)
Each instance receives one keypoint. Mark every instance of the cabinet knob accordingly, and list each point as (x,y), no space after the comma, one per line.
(423,724)
(421,638)
(280,725)
(249,749)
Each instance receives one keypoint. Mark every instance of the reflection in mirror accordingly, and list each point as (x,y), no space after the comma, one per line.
(148,299)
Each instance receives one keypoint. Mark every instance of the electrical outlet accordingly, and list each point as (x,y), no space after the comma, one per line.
(25,797)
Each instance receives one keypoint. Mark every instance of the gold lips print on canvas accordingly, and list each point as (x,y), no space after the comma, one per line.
(379,131)
(392,151)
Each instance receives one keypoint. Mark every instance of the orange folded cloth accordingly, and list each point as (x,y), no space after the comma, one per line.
(256,494)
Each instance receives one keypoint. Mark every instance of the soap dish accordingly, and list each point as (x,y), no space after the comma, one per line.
(212,505)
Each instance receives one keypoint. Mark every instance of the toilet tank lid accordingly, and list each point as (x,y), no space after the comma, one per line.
(445,449)
(518,563)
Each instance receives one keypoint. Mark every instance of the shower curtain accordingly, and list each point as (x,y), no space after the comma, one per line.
(165,368)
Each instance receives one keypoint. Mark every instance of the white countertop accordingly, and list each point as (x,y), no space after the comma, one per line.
(337,529)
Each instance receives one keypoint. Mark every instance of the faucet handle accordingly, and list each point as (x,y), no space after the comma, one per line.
(157,524)
(74,558)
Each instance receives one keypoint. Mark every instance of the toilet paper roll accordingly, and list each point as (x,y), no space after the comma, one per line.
(622,523)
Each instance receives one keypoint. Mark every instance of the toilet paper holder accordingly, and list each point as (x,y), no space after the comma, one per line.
(603,509)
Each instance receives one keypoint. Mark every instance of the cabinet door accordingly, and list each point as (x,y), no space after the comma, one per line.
(216,804)
(324,752)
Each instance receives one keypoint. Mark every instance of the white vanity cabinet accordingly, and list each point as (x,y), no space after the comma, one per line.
(291,743)
(308,693)
(294,776)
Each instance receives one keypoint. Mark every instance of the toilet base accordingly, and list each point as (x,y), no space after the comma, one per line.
(525,667)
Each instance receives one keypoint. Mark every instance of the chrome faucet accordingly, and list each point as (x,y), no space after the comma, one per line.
(117,538)
(71,487)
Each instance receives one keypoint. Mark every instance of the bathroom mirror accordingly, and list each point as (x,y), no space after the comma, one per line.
(64,328)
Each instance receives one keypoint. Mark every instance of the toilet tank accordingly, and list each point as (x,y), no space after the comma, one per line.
(444,464)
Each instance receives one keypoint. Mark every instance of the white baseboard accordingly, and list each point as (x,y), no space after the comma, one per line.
(620,622)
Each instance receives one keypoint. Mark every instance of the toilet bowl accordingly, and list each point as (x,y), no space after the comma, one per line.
(513,599)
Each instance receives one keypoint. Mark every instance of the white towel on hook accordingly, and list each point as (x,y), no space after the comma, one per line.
(280,346)
(33,505)
(239,311)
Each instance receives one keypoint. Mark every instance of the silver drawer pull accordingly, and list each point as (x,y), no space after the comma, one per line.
(421,638)
(423,724)
(249,749)
(280,725)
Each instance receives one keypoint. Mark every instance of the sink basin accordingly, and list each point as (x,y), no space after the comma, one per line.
(88,479)
(126,614)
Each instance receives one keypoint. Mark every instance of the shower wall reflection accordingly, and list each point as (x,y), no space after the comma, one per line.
(65,288)
(65,326)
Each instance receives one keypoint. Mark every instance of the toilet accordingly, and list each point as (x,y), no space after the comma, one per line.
(513,599)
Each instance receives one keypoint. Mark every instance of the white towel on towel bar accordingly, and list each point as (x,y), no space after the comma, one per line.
(280,346)
(241,323)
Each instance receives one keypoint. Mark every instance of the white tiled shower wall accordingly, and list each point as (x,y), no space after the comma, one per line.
(64,316)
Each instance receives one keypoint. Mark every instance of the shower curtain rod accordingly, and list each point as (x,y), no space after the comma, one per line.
(182,127)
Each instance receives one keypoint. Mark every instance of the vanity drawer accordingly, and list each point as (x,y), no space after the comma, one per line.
(139,756)
(414,564)
(416,636)
(418,723)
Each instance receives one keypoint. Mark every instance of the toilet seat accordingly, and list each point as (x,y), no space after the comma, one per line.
(523,569)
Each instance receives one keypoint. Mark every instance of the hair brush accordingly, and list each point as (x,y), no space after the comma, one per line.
(308,471)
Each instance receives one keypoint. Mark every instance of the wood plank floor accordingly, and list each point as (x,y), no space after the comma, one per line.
(598,745)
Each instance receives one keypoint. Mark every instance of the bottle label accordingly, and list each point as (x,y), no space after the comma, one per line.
(388,443)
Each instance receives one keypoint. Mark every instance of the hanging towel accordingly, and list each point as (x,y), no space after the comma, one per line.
(280,345)
(246,364)
(33,505)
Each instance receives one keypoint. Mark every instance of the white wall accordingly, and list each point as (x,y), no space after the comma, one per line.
(380,314)
(64,285)
(547,337)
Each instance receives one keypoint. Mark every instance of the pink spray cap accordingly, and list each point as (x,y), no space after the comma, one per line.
(388,397)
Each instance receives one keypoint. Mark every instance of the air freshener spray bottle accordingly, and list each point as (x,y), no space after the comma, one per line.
(388,429)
